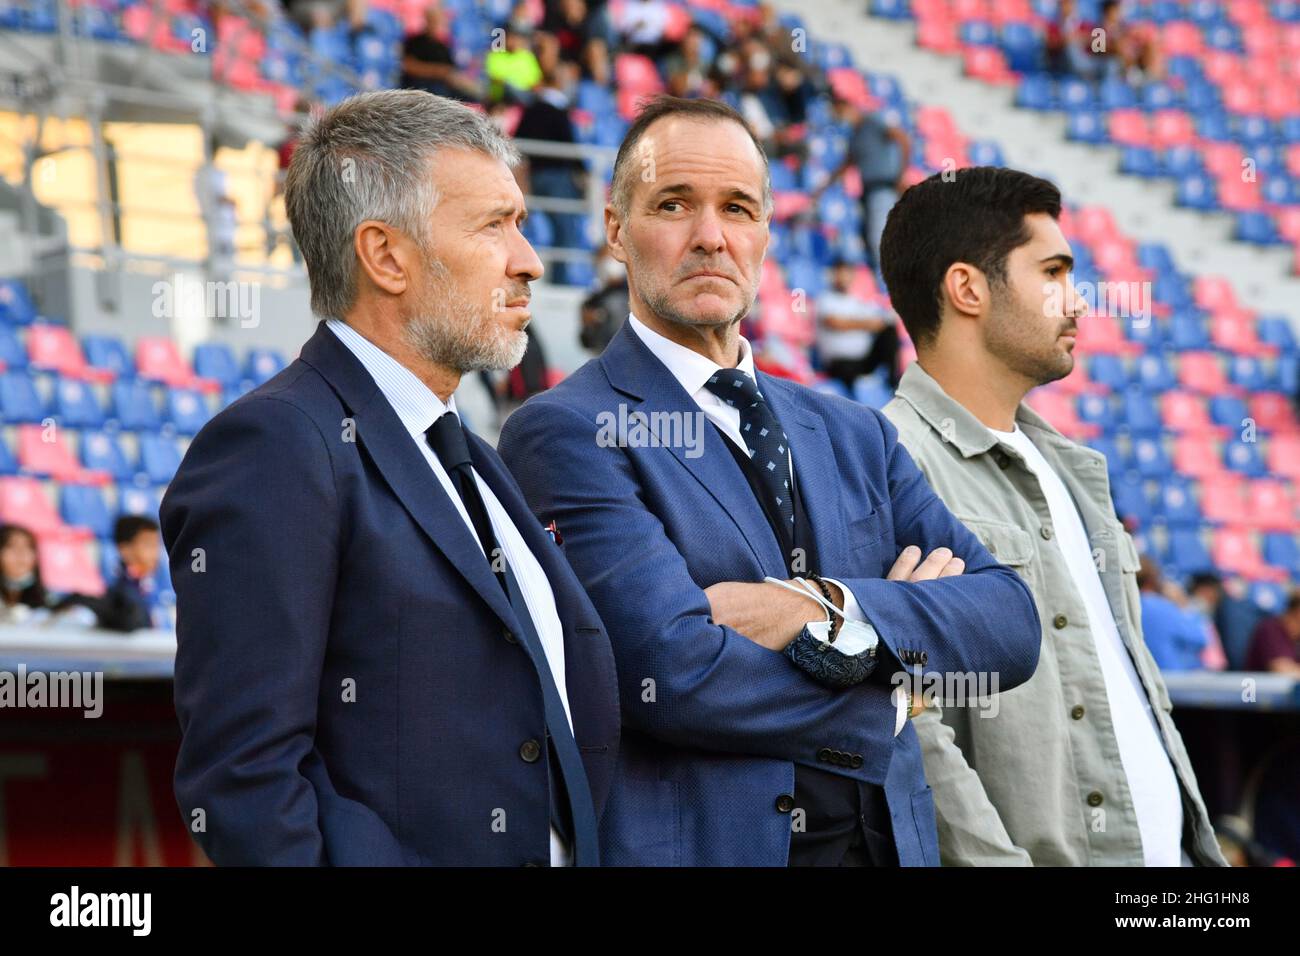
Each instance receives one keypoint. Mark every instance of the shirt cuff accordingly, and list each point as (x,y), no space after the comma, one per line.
(853,612)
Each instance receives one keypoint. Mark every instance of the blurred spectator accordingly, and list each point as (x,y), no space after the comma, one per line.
(606,309)
(642,27)
(580,43)
(1275,645)
(1235,619)
(689,69)
(880,153)
(1175,639)
(1204,595)
(125,607)
(20,574)
(854,336)
(1067,41)
(514,69)
(428,64)
(546,117)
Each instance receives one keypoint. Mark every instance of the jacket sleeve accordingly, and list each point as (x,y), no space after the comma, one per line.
(980,622)
(251,525)
(683,679)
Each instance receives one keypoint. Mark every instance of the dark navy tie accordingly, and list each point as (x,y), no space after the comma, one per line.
(446,437)
(764,437)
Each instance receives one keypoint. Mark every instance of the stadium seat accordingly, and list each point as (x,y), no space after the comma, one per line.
(16,306)
(76,406)
(133,406)
(54,348)
(42,451)
(23,502)
(159,459)
(100,451)
(107,354)
(67,566)
(214,360)
(84,506)
(1271,505)
(19,400)
(187,410)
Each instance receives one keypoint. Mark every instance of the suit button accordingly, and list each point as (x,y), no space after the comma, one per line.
(785,803)
(824,755)
(509,636)
(845,759)
(1077,712)
(1003,459)
(856,761)
(1095,798)
(1060,621)
(1046,532)
(530,750)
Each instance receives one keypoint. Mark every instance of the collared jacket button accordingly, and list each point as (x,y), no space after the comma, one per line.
(1060,621)
(530,750)
(785,803)
(1002,458)
(1077,712)
(1095,798)
(1046,532)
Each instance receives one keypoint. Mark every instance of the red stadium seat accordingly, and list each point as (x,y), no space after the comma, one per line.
(1203,372)
(1185,412)
(1234,551)
(1197,456)
(1235,333)
(1100,334)
(42,452)
(67,566)
(159,359)
(1270,505)
(23,502)
(1223,500)
(1272,412)
(1284,455)
(55,348)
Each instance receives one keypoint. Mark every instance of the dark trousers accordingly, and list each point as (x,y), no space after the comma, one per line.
(883,351)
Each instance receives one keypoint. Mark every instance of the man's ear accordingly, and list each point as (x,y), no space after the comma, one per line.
(614,235)
(384,255)
(966,289)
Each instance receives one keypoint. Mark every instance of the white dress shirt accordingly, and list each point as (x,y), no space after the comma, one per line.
(692,371)
(1152,783)
(418,408)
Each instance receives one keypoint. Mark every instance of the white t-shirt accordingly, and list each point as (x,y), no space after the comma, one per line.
(1151,779)
(852,343)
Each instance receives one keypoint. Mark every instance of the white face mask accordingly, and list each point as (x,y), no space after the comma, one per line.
(21,584)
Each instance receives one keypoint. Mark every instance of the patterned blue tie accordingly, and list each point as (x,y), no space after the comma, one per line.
(764,437)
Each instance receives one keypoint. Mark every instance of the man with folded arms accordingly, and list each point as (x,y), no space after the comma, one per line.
(690,543)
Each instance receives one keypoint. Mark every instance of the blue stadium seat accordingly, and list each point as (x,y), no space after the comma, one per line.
(1186,553)
(1196,191)
(1116,94)
(214,360)
(1108,370)
(1257,227)
(1281,551)
(1022,47)
(8,464)
(1269,596)
(83,506)
(1141,416)
(76,405)
(1098,410)
(108,352)
(187,410)
(262,365)
(1150,457)
(1131,502)
(1140,161)
(1152,372)
(1249,373)
(19,400)
(1276,330)
(1086,126)
(1035,93)
(100,451)
(1182,161)
(1117,463)
(1076,95)
(985,153)
(133,406)
(137,500)
(1244,458)
(16,306)
(1228,410)
(12,353)
(1188,333)
(159,458)
(1178,503)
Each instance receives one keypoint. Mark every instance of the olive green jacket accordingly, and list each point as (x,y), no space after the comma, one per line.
(1038,780)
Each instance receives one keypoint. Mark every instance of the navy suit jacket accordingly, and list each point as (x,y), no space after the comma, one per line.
(713,723)
(347,679)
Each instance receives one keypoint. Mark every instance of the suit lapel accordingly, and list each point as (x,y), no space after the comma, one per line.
(634,370)
(404,468)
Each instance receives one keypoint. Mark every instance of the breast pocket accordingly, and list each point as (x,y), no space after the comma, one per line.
(1008,543)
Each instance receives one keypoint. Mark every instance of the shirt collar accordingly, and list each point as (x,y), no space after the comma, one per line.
(690,368)
(415,403)
(952,419)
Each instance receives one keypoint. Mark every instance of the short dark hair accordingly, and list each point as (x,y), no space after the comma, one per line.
(620,190)
(127,527)
(976,216)
(1204,579)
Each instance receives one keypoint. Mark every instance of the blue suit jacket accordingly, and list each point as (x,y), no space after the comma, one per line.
(347,684)
(713,724)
